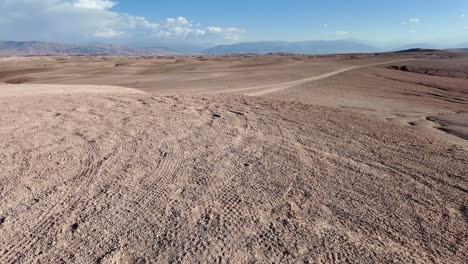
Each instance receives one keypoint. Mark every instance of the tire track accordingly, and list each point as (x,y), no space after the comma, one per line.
(91,167)
(270,88)
(49,217)
(234,179)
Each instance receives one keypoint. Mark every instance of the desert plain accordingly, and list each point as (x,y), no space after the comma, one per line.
(356,158)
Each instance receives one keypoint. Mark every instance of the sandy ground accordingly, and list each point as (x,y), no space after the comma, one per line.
(404,98)
(328,170)
(456,124)
(185,75)
(359,82)
(21,90)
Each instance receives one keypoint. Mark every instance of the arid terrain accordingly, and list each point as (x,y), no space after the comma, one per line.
(359,158)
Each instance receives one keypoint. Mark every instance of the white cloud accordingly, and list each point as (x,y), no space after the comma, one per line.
(214,29)
(341,33)
(94,4)
(108,34)
(230,34)
(91,20)
(411,21)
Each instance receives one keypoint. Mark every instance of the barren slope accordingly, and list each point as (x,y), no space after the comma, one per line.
(177,75)
(407,98)
(404,98)
(135,178)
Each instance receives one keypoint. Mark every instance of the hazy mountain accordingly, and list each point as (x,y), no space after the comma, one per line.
(420,46)
(419,50)
(302,47)
(48,48)
(462,46)
(26,48)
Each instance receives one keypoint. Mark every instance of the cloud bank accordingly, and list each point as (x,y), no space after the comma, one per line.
(411,21)
(95,21)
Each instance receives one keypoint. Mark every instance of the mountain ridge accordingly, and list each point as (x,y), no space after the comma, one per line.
(32,48)
(312,47)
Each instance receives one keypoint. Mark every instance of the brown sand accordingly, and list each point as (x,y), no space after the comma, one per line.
(456,124)
(359,82)
(116,176)
(21,90)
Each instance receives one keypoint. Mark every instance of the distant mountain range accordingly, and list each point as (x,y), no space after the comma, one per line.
(315,47)
(302,47)
(417,50)
(419,46)
(25,48)
(463,46)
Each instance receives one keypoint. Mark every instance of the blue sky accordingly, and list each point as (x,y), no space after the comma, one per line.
(381,21)
(209,22)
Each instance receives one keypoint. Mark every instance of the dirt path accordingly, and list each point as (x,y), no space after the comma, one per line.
(270,88)
(139,178)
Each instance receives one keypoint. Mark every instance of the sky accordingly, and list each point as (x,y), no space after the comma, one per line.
(210,22)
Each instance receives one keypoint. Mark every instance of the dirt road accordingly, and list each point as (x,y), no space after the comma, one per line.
(270,88)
